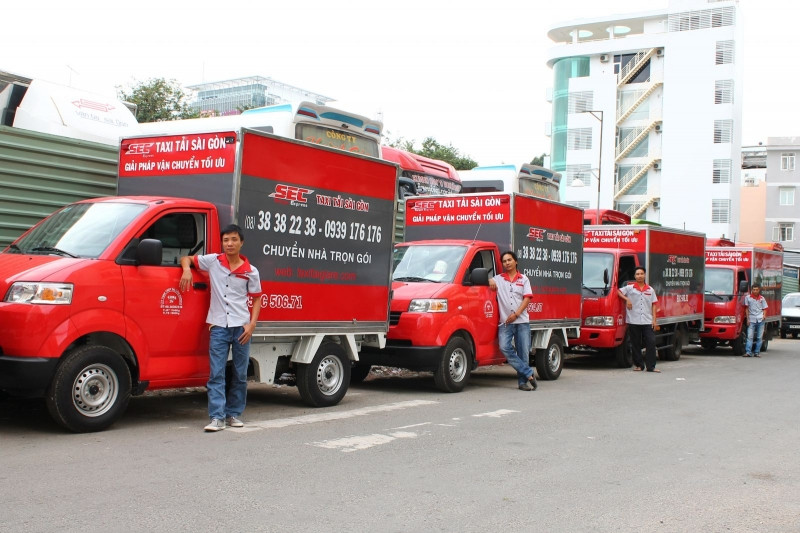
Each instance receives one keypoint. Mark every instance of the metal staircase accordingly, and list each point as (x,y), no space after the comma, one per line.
(638,208)
(634,66)
(623,114)
(636,136)
(626,182)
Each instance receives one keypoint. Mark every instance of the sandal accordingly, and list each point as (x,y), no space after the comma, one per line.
(655,370)
(637,369)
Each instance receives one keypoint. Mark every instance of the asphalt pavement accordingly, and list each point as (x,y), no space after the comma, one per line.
(708,445)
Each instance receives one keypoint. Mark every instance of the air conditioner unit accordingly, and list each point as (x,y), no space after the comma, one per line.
(659,52)
(656,166)
(656,204)
(658,128)
(604,58)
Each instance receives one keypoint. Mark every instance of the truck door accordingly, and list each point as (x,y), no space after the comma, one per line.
(172,323)
(482,307)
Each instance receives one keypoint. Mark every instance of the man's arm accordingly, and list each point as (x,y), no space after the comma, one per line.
(251,326)
(186,278)
(628,303)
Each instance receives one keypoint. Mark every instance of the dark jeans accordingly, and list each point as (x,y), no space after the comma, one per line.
(637,331)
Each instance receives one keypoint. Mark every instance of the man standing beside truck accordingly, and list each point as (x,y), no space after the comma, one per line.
(231,324)
(755,304)
(513,295)
(640,314)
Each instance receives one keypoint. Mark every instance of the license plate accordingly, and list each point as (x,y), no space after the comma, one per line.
(794,326)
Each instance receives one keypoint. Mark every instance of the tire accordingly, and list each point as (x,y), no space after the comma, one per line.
(708,344)
(623,354)
(783,335)
(794,335)
(764,345)
(673,353)
(452,373)
(550,361)
(359,372)
(738,344)
(90,390)
(324,381)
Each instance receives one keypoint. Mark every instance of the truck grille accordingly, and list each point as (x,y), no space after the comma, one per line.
(394,317)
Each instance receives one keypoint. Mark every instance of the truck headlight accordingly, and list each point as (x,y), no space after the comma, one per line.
(607,321)
(724,320)
(29,292)
(428,305)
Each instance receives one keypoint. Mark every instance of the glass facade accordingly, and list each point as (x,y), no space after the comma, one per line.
(563,70)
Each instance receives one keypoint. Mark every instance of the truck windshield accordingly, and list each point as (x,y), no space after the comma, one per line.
(427,263)
(78,230)
(719,282)
(594,265)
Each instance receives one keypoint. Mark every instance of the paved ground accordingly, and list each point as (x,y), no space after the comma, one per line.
(710,444)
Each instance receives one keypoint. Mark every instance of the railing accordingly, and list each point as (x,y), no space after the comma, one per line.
(633,66)
(629,179)
(642,96)
(637,135)
(638,208)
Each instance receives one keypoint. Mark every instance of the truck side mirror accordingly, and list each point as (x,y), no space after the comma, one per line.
(148,252)
(605,277)
(743,286)
(479,276)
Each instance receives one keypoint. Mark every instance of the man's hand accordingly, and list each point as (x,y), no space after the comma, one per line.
(186,280)
(247,333)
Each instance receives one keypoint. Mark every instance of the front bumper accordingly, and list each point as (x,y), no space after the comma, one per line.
(26,376)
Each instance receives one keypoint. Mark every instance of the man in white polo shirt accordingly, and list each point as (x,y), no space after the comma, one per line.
(231,324)
(640,314)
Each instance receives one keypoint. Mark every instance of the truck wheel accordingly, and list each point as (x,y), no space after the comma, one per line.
(550,361)
(359,372)
(454,369)
(90,390)
(794,335)
(324,381)
(764,345)
(738,344)
(623,354)
(783,335)
(673,352)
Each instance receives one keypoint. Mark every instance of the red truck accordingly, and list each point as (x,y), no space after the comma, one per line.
(91,312)
(674,263)
(444,316)
(730,272)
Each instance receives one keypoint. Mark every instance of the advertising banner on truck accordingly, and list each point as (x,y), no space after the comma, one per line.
(318,226)
(199,165)
(674,261)
(546,236)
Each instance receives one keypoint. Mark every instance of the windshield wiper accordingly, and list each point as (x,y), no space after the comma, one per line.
(14,247)
(719,296)
(414,278)
(589,289)
(57,251)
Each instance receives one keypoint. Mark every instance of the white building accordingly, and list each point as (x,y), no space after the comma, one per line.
(665,91)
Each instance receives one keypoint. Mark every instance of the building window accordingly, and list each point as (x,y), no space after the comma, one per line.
(724,54)
(722,131)
(783,232)
(722,171)
(579,172)
(580,102)
(720,211)
(786,195)
(787,161)
(580,204)
(723,92)
(579,139)
(702,20)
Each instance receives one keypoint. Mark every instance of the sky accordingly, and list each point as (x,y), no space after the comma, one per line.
(472,74)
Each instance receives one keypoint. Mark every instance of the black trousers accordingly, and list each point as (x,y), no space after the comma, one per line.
(637,331)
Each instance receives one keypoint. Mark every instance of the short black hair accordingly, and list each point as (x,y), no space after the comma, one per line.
(643,269)
(231,228)
(756,285)
(509,252)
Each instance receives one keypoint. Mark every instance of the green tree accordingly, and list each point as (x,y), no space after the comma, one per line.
(539,160)
(435,150)
(158,99)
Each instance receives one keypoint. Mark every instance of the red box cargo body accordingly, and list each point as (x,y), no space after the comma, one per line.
(730,272)
(674,263)
(445,321)
(90,295)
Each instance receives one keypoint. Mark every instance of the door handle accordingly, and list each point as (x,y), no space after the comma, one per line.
(200,285)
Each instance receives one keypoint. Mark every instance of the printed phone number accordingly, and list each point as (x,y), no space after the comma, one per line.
(536,253)
(278,301)
(308,226)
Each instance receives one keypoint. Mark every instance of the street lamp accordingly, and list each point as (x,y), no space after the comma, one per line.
(599,116)
(578,182)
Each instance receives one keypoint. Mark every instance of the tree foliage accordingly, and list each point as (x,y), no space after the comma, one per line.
(158,99)
(539,160)
(435,150)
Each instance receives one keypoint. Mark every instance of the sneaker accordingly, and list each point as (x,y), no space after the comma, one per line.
(233,422)
(526,386)
(216,424)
